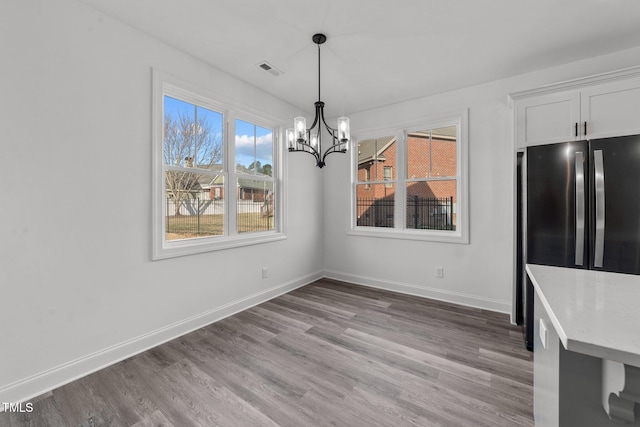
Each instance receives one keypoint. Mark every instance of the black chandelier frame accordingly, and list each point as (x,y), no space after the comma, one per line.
(303,142)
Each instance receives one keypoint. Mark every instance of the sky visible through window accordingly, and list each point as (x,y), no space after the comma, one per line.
(254,146)
(252,143)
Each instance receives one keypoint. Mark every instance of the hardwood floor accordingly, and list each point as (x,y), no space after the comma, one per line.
(327,354)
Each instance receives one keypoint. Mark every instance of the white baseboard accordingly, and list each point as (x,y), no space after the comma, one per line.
(46,381)
(422,291)
(43,382)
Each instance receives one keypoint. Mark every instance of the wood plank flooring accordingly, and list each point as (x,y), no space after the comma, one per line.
(327,354)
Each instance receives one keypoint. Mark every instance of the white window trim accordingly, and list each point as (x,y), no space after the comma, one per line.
(399,231)
(161,248)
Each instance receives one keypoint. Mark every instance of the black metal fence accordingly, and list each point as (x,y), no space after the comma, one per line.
(430,213)
(195,217)
(374,212)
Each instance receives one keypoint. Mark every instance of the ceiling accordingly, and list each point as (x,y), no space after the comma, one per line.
(382,52)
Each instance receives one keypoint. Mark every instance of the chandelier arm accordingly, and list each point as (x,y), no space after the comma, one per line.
(331,150)
(335,142)
(334,136)
(310,151)
(319,114)
(334,146)
(331,130)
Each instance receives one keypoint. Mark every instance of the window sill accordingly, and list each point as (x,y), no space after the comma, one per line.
(426,236)
(177,248)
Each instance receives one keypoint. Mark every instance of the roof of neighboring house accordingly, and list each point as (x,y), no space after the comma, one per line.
(207,182)
(215,167)
(244,181)
(254,184)
(372,149)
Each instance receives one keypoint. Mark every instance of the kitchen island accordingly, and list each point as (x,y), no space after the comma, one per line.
(584,320)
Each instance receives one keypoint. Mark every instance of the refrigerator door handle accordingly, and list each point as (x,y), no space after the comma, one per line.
(598,164)
(580,208)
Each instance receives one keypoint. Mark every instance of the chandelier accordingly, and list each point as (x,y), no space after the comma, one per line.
(309,140)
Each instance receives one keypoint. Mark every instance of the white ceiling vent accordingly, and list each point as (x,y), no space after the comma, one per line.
(270,68)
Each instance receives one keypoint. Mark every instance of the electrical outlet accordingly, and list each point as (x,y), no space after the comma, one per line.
(543,333)
(265,272)
(439,272)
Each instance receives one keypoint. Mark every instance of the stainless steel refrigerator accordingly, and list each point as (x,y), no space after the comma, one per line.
(582,209)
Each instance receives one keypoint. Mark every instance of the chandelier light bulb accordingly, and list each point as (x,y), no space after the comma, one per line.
(344,133)
(291,141)
(300,125)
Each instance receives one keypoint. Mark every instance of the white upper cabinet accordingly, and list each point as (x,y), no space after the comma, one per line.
(612,109)
(547,119)
(596,107)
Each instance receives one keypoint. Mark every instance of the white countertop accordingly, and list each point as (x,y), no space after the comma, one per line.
(593,312)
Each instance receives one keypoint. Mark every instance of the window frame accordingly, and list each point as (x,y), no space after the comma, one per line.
(163,248)
(400,230)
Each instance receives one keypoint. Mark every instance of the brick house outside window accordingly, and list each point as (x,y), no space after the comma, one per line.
(430,182)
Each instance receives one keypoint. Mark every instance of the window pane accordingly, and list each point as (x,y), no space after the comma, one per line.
(432,153)
(255,205)
(375,205)
(431,205)
(193,135)
(254,149)
(418,154)
(194,205)
(373,155)
(388,175)
(264,150)
(443,149)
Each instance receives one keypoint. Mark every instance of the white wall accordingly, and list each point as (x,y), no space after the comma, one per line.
(479,274)
(78,289)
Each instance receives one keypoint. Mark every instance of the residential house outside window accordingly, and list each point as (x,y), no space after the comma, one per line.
(431,179)
(419,182)
(192,162)
(374,188)
(199,202)
(254,169)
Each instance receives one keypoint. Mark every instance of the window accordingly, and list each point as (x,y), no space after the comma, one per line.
(254,168)
(375,194)
(388,173)
(431,179)
(200,203)
(418,182)
(192,167)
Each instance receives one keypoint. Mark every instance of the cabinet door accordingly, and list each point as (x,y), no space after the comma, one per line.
(546,374)
(547,119)
(611,109)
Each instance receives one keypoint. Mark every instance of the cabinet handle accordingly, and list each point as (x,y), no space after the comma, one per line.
(576,128)
(585,128)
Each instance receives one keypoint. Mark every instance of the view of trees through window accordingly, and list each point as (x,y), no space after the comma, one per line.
(196,181)
(254,169)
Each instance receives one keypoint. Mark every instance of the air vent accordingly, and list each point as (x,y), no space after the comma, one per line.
(270,68)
